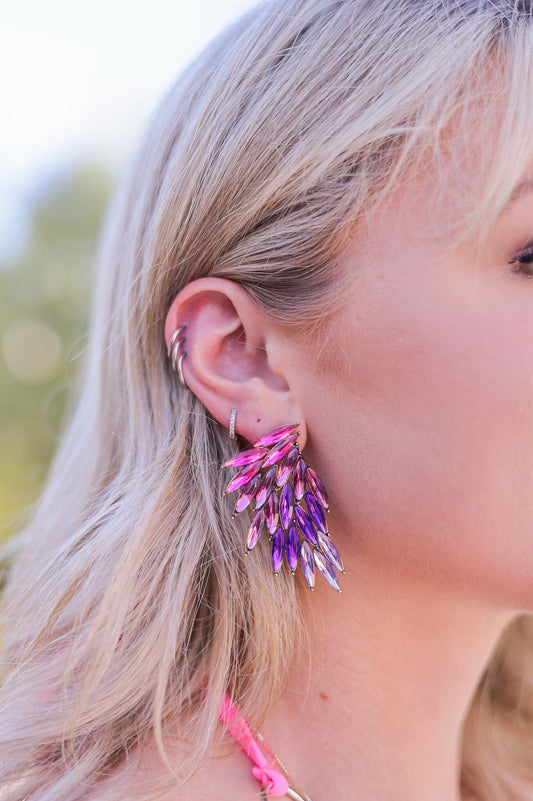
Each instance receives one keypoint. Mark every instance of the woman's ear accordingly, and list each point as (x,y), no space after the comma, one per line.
(233,355)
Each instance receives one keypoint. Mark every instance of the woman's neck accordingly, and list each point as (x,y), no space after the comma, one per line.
(393,667)
(377,715)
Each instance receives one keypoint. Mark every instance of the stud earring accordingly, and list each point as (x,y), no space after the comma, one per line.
(289,500)
(176,352)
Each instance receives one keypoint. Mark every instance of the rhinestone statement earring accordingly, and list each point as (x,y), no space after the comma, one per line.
(289,501)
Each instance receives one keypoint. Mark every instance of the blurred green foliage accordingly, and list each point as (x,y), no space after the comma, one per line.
(45,294)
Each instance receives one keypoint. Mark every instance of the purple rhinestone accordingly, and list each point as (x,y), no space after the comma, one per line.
(280,451)
(286,468)
(272,512)
(317,487)
(316,513)
(246,457)
(243,478)
(326,569)
(308,563)
(329,550)
(278,548)
(264,488)
(286,506)
(299,479)
(277,434)
(247,494)
(293,546)
(255,530)
(305,525)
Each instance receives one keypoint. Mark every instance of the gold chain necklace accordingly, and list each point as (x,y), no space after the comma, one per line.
(294,792)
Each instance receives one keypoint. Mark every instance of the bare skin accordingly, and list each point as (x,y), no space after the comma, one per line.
(422,430)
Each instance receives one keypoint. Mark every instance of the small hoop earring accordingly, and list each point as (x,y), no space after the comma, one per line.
(232,423)
(176,354)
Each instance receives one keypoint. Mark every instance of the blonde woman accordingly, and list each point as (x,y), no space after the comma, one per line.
(327,227)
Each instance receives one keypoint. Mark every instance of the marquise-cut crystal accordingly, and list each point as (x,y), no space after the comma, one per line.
(246,457)
(272,512)
(290,501)
(286,468)
(326,570)
(278,548)
(317,487)
(247,494)
(243,478)
(286,506)
(329,550)
(279,451)
(305,525)
(275,436)
(267,482)
(308,563)
(316,513)
(299,479)
(293,546)
(255,530)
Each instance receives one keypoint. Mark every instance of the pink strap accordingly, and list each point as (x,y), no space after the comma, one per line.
(274,781)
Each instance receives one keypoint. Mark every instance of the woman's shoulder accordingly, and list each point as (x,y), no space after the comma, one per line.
(222,777)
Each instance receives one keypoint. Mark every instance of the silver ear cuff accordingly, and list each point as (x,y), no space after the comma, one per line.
(176,352)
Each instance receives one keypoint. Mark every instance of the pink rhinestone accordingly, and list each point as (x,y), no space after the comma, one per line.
(317,487)
(299,479)
(286,468)
(274,436)
(266,485)
(272,512)
(255,530)
(242,478)
(246,457)
(279,451)
(246,495)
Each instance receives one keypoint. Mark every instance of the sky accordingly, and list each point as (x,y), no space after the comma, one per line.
(79,81)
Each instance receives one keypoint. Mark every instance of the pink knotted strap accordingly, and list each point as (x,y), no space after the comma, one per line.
(275,782)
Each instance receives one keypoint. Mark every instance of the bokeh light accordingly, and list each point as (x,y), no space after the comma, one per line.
(32,350)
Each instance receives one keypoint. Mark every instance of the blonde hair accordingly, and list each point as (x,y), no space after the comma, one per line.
(131,607)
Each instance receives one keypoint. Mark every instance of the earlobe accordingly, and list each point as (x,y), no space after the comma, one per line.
(225,356)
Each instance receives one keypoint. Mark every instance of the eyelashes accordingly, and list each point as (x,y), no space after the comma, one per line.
(524,264)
